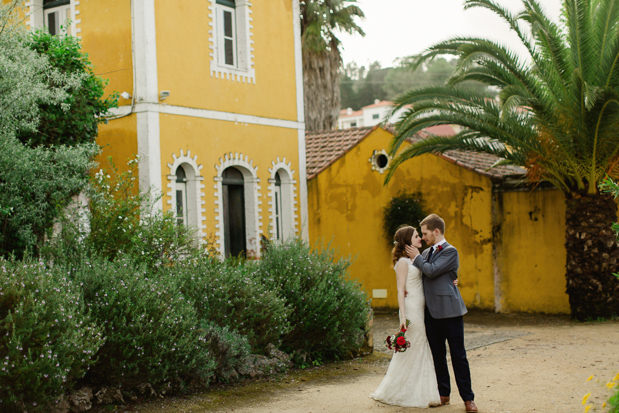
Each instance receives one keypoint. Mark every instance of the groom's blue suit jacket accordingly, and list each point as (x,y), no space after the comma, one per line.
(443,299)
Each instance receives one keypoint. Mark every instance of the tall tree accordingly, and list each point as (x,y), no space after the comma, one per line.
(320,21)
(557,114)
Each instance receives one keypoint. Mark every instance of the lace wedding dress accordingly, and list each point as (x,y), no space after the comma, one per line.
(411,380)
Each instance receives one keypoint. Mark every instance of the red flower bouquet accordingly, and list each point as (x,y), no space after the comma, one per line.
(398,341)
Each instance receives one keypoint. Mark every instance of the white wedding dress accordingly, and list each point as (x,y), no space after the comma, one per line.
(411,380)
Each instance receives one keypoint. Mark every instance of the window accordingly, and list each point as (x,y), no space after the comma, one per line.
(232,54)
(226,32)
(56,15)
(353,124)
(181,197)
(278,207)
(375,116)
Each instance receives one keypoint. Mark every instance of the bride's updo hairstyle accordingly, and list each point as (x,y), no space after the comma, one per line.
(401,239)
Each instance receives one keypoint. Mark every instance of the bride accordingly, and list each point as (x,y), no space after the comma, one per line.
(410,380)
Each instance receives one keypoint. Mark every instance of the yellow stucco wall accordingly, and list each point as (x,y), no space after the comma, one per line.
(184,66)
(118,140)
(106,37)
(346,204)
(532,252)
(210,140)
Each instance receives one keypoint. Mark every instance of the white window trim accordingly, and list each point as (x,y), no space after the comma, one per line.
(244,70)
(289,213)
(195,191)
(36,19)
(253,210)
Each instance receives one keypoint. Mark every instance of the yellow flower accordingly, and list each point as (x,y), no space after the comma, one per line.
(610,384)
(590,377)
(585,397)
(587,408)
(616,377)
(603,404)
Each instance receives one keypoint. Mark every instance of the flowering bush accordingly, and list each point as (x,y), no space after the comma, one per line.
(231,296)
(329,310)
(47,342)
(151,329)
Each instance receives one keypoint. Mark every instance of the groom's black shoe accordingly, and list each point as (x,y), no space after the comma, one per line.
(470,407)
(444,400)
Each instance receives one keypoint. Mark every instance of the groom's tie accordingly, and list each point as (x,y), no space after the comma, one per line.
(430,254)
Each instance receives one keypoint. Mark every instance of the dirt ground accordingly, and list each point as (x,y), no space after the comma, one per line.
(519,363)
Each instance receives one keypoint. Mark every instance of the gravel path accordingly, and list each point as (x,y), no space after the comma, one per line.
(519,363)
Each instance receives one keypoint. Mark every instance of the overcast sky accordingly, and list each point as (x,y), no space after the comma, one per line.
(396,28)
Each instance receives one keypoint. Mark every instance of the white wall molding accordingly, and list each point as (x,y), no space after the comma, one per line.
(196,186)
(146,90)
(290,208)
(206,114)
(253,210)
(298,64)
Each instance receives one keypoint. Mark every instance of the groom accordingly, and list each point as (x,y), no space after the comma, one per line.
(444,309)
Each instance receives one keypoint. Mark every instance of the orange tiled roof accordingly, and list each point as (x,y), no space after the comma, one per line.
(325,147)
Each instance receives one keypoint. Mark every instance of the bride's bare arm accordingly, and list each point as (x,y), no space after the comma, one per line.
(401,271)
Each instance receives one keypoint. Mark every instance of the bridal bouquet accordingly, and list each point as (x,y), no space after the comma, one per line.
(398,341)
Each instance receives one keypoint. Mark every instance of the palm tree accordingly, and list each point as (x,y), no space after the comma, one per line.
(320,19)
(557,114)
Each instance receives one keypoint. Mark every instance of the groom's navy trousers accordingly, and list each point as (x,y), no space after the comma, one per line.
(451,330)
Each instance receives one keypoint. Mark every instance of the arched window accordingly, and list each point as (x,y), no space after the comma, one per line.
(182,205)
(282,204)
(233,187)
(277,193)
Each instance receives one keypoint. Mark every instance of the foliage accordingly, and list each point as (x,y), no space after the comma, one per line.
(610,186)
(231,296)
(361,86)
(75,119)
(119,220)
(35,185)
(151,329)
(27,79)
(321,21)
(402,209)
(557,114)
(231,350)
(47,340)
(329,310)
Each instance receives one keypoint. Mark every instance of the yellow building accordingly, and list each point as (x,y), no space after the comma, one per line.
(211,101)
(510,238)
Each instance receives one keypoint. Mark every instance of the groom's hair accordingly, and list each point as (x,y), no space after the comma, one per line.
(433,222)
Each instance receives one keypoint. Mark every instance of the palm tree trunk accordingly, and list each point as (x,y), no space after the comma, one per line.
(321,81)
(592,257)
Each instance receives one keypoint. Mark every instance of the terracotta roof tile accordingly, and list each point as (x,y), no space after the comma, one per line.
(325,147)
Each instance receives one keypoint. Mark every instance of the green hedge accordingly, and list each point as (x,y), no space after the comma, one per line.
(231,296)
(151,330)
(47,340)
(329,311)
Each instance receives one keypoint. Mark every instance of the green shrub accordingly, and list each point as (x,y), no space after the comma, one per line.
(232,296)
(230,349)
(151,330)
(402,209)
(35,185)
(75,120)
(329,311)
(46,340)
